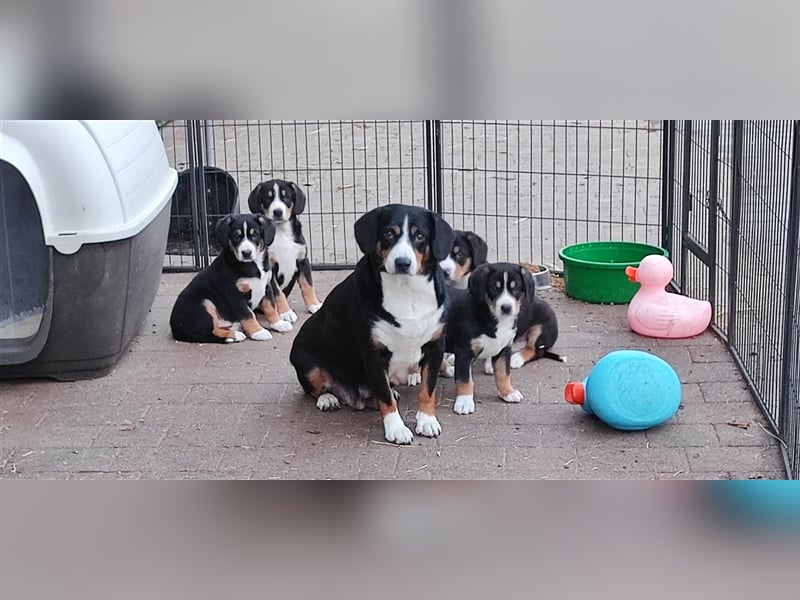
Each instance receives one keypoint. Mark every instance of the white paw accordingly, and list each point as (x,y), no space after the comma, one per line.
(261,336)
(464,405)
(450,359)
(282,326)
(414,379)
(428,425)
(487,367)
(396,395)
(289,317)
(312,308)
(514,396)
(238,336)
(394,430)
(328,402)
(516,360)
(448,371)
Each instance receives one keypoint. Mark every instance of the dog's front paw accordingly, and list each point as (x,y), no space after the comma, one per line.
(238,336)
(289,316)
(414,378)
(261,336)
(281,326)
(428,425)
(394,430)
(449,358)
(312,308)
(328,402)
(516,360)
(447,371)
(514,396)
(487,367)
(464,404)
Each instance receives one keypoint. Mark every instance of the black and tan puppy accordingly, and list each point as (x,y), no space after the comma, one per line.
(386,316)
(281,202)
(222,296)
(537,330)
(468,253)
(483,324)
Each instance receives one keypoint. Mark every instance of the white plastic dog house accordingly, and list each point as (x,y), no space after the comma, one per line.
(84,214)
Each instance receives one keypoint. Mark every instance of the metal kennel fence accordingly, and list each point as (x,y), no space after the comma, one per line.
(732,224)
(528,187)
(721,196)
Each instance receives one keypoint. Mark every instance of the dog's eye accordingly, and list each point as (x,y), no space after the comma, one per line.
(420,237)
(388,234)
(253,233)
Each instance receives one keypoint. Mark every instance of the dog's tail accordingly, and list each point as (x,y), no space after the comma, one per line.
(554,356)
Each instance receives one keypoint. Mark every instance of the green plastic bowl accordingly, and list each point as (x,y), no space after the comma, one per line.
(595,271)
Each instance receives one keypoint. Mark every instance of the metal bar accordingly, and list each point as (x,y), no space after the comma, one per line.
(429,166)
(711,257)
(201,198)
(437,146)
(686,198)
(208,142)
(691,243)
(736,217)
(192,164)
(790,300)
(197,194)
(668,185)
(433,155)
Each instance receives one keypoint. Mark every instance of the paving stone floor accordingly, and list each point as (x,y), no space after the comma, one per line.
(175,410)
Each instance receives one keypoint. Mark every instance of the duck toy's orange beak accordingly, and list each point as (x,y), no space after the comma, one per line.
(631,273)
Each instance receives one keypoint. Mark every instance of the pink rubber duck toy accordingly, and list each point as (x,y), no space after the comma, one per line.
(654,312)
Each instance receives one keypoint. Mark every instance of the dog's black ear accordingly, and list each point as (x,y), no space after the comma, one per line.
(299,203)
(366,230)
(267,229)
(480,251)
(254,201)
(442,237)
(223,230)
(477,283)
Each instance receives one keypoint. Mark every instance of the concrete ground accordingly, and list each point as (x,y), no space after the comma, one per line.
(175,410)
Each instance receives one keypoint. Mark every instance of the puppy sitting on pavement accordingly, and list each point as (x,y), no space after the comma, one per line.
(482,323)
(221,298)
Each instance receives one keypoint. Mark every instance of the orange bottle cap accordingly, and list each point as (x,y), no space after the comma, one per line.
(631,273)
(575,392)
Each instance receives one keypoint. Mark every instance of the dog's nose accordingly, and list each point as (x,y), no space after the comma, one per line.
(446,273)
(247,253)
(506,309)
(402,264)
(277,213)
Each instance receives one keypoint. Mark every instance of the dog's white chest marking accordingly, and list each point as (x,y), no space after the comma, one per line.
(256,285)
(506,330)
(411,300)
(285,252)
